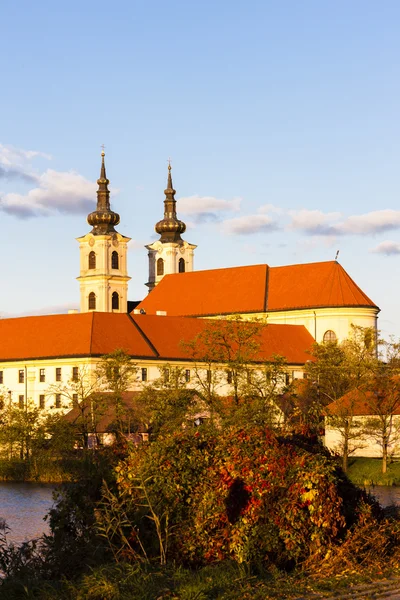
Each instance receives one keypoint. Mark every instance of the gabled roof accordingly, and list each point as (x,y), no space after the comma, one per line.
(256,288)
(141,336)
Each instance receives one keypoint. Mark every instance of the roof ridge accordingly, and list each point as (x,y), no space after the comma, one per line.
(144,336)
(91,333)
(266,288)
(338,272)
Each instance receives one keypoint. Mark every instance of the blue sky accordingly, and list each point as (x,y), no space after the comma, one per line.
(281,120)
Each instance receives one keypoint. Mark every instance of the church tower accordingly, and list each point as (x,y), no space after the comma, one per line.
(103,276)
(169,254)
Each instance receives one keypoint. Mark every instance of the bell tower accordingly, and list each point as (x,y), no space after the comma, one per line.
(169,254)
(103,278)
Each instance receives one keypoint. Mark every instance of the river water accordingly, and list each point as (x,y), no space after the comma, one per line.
(23,506)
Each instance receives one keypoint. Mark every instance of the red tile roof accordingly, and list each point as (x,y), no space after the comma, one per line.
(360,403)
(142,336)
(168,333)
(75,335)
(256,288)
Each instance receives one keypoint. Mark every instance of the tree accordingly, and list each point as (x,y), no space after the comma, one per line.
(166,403)
(116,374)
(221,354)
(359,372)
(343,418)
(261,386)
(382,395)
(84,394)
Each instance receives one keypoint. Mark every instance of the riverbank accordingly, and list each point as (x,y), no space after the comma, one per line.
(46,470)
(368,472)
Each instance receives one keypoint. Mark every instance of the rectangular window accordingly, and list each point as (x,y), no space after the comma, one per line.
(249,377)
(21,402)
(41,401)
(229,376)
(58,373)
(42,375)
(1,377)
(187,375)
(287,378)
(166,374)
(144,374)
(58,400)
(21,376)
(75,373)
(305,375)
(208,376)
(75,399)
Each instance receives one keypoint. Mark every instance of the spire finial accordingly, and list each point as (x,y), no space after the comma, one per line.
(103,218)
(170,227)
(169,184)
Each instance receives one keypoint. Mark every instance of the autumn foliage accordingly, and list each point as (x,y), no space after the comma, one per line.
(242,494)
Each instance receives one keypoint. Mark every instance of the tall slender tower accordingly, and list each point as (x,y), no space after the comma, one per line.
(103,276)
(169,254)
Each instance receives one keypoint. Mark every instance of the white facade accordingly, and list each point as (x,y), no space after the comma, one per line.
(319,321)
(363,445)
(166,258)
(48,384)
(103,276)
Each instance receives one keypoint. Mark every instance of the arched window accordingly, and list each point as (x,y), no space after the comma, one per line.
(92,260)
(115,301)
(114,260)
(160,267)
(181,266)
(330,336)
(92,301)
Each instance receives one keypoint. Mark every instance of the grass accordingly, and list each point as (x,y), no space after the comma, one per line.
(368,471)
(40,471)
(222,581)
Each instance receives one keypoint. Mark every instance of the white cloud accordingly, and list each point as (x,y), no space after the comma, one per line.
(271,208)
(249,224)
(206,208)
(373,222)
(15,163)
(62,192)
(314,222)
(389,248)
(52,191)
(10,156)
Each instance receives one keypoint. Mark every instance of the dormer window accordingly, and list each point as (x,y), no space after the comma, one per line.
(181,265)
(92,260)
(160,267)
(92,301)
(115,301)
(115,260)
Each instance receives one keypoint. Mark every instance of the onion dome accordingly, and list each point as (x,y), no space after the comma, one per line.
(170,228)
(103,218)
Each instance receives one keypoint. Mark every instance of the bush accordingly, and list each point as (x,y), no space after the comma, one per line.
(203,496)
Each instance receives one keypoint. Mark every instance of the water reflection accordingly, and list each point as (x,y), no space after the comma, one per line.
(23,507)
(387,495)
